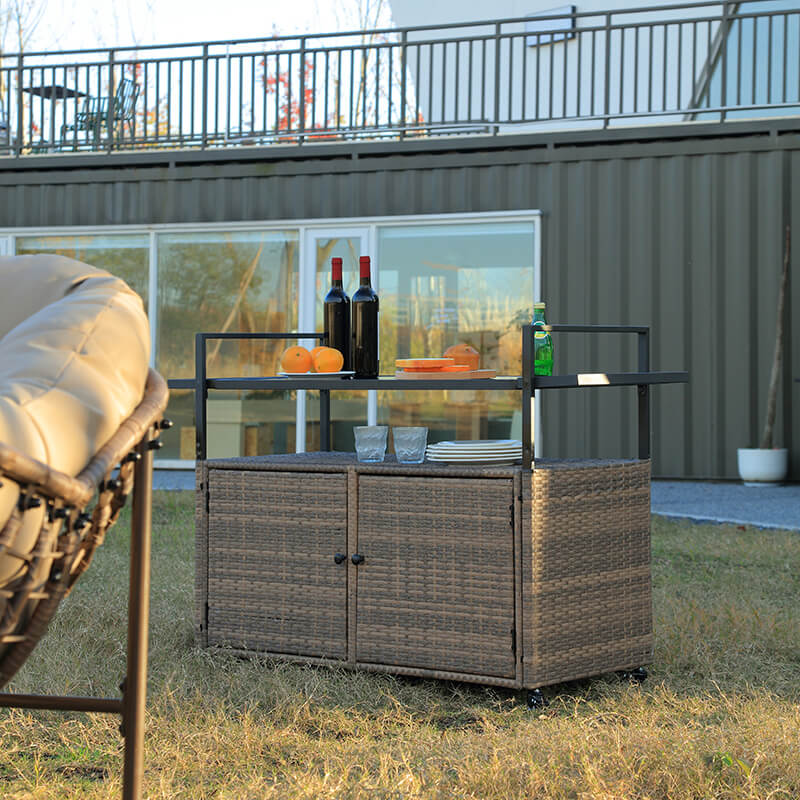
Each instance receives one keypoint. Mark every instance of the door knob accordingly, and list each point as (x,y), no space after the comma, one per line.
(357,559)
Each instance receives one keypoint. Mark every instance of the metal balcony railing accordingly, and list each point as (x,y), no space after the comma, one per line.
(671,64)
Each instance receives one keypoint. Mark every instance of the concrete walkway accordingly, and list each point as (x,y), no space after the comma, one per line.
(711,501)
(703,501)
(173,479)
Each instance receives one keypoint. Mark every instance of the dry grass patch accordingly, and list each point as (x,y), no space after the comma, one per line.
(718,718)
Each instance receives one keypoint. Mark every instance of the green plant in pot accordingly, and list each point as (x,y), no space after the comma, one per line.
(766,464)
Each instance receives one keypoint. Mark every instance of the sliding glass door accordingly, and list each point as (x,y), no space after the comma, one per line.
(442,280)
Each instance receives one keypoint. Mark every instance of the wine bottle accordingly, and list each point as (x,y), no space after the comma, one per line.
(336,314)
(365,325)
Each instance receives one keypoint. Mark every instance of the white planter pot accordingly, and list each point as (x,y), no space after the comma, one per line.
(758,467)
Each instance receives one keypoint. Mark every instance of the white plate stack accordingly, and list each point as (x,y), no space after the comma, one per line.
(482,451)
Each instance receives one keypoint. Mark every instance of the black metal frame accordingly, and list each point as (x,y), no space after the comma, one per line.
(203,383)
(641,379)
(131,706)
(528,383)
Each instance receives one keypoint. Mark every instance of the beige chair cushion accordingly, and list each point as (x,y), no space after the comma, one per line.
(74,356)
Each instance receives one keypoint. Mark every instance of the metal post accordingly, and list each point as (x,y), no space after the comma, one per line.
(724,55)
(324,420)
(606,87)
(111,111)
(204,140)
(200,395)
(527,396)
(20,107)
(135,686)
(496,129)
(403,89)
(302,121)
(643,390)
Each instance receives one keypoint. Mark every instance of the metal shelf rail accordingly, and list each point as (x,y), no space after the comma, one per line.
(527,383)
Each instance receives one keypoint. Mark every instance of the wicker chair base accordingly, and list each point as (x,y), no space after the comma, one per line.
(67,539)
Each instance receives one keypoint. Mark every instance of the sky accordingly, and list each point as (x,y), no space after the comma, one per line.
(78,24)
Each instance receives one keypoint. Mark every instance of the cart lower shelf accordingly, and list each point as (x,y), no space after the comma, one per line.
(494,575)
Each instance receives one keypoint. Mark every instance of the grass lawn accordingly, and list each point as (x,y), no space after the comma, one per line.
(719,716)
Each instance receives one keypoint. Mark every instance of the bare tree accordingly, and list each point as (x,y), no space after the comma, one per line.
(128,23)
(19,20)
(370,17)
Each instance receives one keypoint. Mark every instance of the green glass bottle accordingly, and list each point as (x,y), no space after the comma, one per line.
(542,344)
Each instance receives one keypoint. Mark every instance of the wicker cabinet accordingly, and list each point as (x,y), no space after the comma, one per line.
(436,587)
(495,575)
(272,583)
(383,568)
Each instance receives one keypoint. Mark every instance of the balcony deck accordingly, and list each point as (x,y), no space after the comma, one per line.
(656,66)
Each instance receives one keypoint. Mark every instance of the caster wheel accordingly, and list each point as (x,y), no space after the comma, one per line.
(536,699)
(638,675)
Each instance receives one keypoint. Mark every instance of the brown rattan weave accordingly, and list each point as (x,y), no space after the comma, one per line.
(489,574)
(436,590)
(68,537)
(270,571)
(586,585)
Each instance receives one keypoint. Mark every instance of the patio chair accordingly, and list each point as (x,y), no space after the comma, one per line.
(77,400)
(94,116)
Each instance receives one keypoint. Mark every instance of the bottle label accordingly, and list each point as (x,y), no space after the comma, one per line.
(540,335)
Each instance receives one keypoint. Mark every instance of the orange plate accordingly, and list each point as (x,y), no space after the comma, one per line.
(423,363)
(422,374)
(449,368)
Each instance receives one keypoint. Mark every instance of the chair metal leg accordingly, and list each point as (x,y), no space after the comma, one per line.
(135,684)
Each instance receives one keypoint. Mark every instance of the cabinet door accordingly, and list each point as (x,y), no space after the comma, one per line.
(436,587)
(273,584)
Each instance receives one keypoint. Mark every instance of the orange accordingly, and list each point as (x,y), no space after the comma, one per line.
(315,351)
(296,359)
(464,354)
(328,359)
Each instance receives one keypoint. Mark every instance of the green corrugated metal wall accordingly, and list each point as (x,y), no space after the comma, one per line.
(680,229)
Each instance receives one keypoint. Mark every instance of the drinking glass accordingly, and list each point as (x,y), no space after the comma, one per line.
(409,444)
(370,443)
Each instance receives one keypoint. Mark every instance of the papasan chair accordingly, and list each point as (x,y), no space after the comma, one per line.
(80,413)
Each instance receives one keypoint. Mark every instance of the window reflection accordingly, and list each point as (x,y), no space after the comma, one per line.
(442,285)
(224,282)
(234,281)
(126,256)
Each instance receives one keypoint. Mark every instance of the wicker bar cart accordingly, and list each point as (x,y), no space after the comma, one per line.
(517,576)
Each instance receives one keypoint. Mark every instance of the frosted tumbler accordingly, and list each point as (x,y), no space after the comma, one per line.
(409,444)
(370,443)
